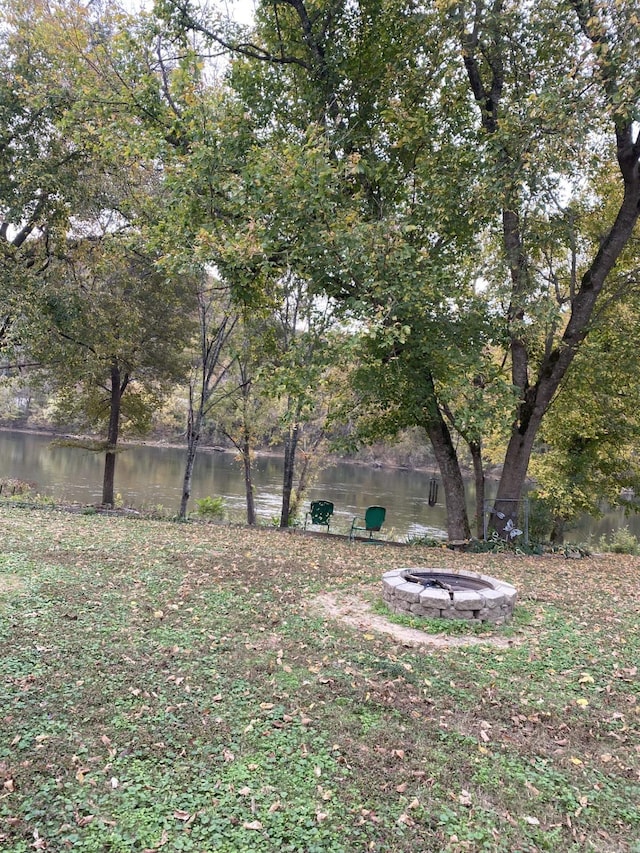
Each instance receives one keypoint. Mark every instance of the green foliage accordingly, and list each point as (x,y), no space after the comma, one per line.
(541,516)
(211,508)
(426,541)
(588,450)
(621,541)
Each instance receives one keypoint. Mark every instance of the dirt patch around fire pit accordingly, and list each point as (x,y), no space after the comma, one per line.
(358,613)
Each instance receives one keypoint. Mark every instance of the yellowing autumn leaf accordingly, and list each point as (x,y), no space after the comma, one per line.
(585,678)
(582,702)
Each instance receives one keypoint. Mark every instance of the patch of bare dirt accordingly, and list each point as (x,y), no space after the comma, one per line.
(357,613)
(9,584)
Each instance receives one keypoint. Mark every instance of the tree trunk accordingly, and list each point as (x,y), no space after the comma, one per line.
(446,457)
(307,467)
(248,479)
(478,476)
(537,391)
(290,447)
(556,537)
(118,385)
(193,438)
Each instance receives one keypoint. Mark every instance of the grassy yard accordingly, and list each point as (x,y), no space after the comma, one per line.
(174,687)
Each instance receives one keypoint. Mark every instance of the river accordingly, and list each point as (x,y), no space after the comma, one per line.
(148,476)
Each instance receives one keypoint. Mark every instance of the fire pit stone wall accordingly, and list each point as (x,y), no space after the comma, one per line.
(446,594)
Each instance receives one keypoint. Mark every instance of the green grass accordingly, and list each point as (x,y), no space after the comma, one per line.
(173,687)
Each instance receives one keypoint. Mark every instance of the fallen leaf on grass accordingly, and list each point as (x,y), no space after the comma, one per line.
(464,798)
(180,814)
(252,824)
(39,843)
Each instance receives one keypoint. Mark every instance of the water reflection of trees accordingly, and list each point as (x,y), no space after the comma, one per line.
(151,476)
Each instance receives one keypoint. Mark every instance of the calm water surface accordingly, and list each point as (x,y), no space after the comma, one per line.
(149,477)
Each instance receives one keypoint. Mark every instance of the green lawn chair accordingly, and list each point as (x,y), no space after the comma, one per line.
(373,521)
(319,513)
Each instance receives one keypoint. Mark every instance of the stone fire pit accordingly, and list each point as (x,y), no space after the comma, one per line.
(446,594)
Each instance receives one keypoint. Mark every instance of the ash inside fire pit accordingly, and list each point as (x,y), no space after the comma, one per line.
(438,593)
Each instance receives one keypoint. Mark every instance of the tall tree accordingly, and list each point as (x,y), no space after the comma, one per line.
(217,321)
(546,82)
(110,335)
(587,453)
(510,109)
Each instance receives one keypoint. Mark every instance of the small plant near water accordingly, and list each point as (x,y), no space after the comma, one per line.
(622,541)
(426,541)
(10,488)
(211,507)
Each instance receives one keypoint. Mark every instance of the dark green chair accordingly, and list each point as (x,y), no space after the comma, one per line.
(319,513)
(371,523)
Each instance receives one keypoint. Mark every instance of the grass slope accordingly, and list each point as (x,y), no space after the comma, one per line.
(169,687)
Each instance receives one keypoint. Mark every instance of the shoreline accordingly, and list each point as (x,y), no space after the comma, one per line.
(332,459)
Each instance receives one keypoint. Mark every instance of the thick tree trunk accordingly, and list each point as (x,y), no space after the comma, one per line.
(290,447)
(118,385)
(537,391)
(457,518)
(556,537)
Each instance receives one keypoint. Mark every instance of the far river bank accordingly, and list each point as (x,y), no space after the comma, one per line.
(149,476)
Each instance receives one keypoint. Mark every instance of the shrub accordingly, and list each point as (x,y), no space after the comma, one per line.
(211,507)
(622,542)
